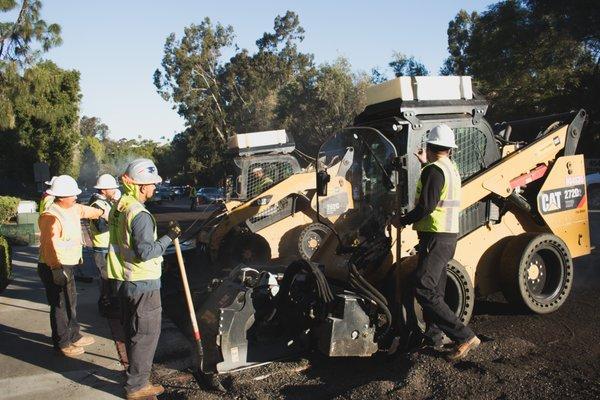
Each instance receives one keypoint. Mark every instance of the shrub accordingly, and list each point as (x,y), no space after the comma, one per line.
(5,263)
(8,208)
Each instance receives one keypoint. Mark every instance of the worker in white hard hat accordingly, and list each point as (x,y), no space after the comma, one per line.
(46,199)
(106,195)
(435,218)
(60,254)
(261,181)
(134,262)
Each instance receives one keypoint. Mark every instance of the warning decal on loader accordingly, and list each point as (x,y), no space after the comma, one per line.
(562,199)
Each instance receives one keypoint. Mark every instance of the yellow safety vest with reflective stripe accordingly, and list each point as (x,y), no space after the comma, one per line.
(69,246)
(444,217)
(122,262)
(45,203)
(100,239)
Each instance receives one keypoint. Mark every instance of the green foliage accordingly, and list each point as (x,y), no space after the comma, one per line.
(321,102)
(407,66)
(5,263)
(522,62)
(17,38)
(45,101)
(8,208)
(93,127)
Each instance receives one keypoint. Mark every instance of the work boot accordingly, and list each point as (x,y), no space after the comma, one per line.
(84,341)
(147,391)
(463,349)
(72,351)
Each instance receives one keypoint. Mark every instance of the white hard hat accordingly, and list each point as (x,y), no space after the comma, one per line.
(49,183)
(63,186)
(257,169)
(143,172)
(441,135)
(106,181)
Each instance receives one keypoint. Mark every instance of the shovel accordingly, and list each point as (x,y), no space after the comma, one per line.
(208,380)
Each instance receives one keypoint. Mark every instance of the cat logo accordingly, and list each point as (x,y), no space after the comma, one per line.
(551,201)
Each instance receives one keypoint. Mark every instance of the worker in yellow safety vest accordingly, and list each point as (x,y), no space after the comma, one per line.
(134,263)
(60,254)
(435,218)
(107,194)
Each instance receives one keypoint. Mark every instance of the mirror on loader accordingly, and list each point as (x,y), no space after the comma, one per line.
(354,178)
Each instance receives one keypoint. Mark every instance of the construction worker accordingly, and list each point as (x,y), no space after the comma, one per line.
(60,254)
(134,262)
(262,181)
(192,196)
(435,218)
(46,199)
(107,190)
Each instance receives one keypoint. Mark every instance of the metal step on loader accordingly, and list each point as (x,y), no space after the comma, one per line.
(524,218)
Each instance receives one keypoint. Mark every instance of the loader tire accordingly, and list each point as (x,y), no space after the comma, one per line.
(536,272)
(247,248)
(459,295)
(311,238)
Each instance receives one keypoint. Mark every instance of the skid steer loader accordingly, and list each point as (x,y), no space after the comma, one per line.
(261,222)
(523,220)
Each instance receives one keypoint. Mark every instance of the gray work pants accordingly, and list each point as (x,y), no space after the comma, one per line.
(141,318)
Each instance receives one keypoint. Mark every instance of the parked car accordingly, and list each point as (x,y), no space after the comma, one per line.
(208,195)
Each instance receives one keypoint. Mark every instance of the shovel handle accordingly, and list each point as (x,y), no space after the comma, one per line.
(186,289)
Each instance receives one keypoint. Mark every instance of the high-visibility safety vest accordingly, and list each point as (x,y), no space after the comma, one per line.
(100,239)
(46,202)
(444,217)
(122,262)
(69,246)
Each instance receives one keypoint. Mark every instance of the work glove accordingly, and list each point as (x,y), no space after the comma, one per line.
(59,276)
(174,230)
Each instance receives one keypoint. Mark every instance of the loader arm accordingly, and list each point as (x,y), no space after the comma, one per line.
(295,184)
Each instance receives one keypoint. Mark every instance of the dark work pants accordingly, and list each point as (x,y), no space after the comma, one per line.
(429,283)
(141,315)
(63,307)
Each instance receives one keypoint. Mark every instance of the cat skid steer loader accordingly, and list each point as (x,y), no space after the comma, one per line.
(267,215)
(523,220)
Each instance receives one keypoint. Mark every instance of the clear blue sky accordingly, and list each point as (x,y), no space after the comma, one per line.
(117,45)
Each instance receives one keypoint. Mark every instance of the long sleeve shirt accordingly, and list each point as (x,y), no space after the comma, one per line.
(432,180)
(51,231)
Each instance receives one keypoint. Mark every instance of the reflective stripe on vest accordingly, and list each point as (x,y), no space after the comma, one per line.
(100,239)
(444,217)
(122,262)
(69,246)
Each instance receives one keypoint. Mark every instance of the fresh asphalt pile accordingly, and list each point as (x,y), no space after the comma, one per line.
(523,356)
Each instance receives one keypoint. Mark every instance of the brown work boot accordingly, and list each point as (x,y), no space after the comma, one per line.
(463,349)
(84,341)
(147,391)
(72,351)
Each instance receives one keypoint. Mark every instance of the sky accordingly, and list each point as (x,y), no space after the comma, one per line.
(117,45)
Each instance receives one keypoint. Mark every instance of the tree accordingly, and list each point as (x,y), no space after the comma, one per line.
(93,127)
(521,62)
(16,38)
(407,66)
(321,102)
(45,102)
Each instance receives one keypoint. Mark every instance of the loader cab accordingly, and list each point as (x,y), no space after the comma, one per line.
(400,113)
(269,152)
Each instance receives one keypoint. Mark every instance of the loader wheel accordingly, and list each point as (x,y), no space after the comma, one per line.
(459,295)
(311,238)
(248,248)
(536,272)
